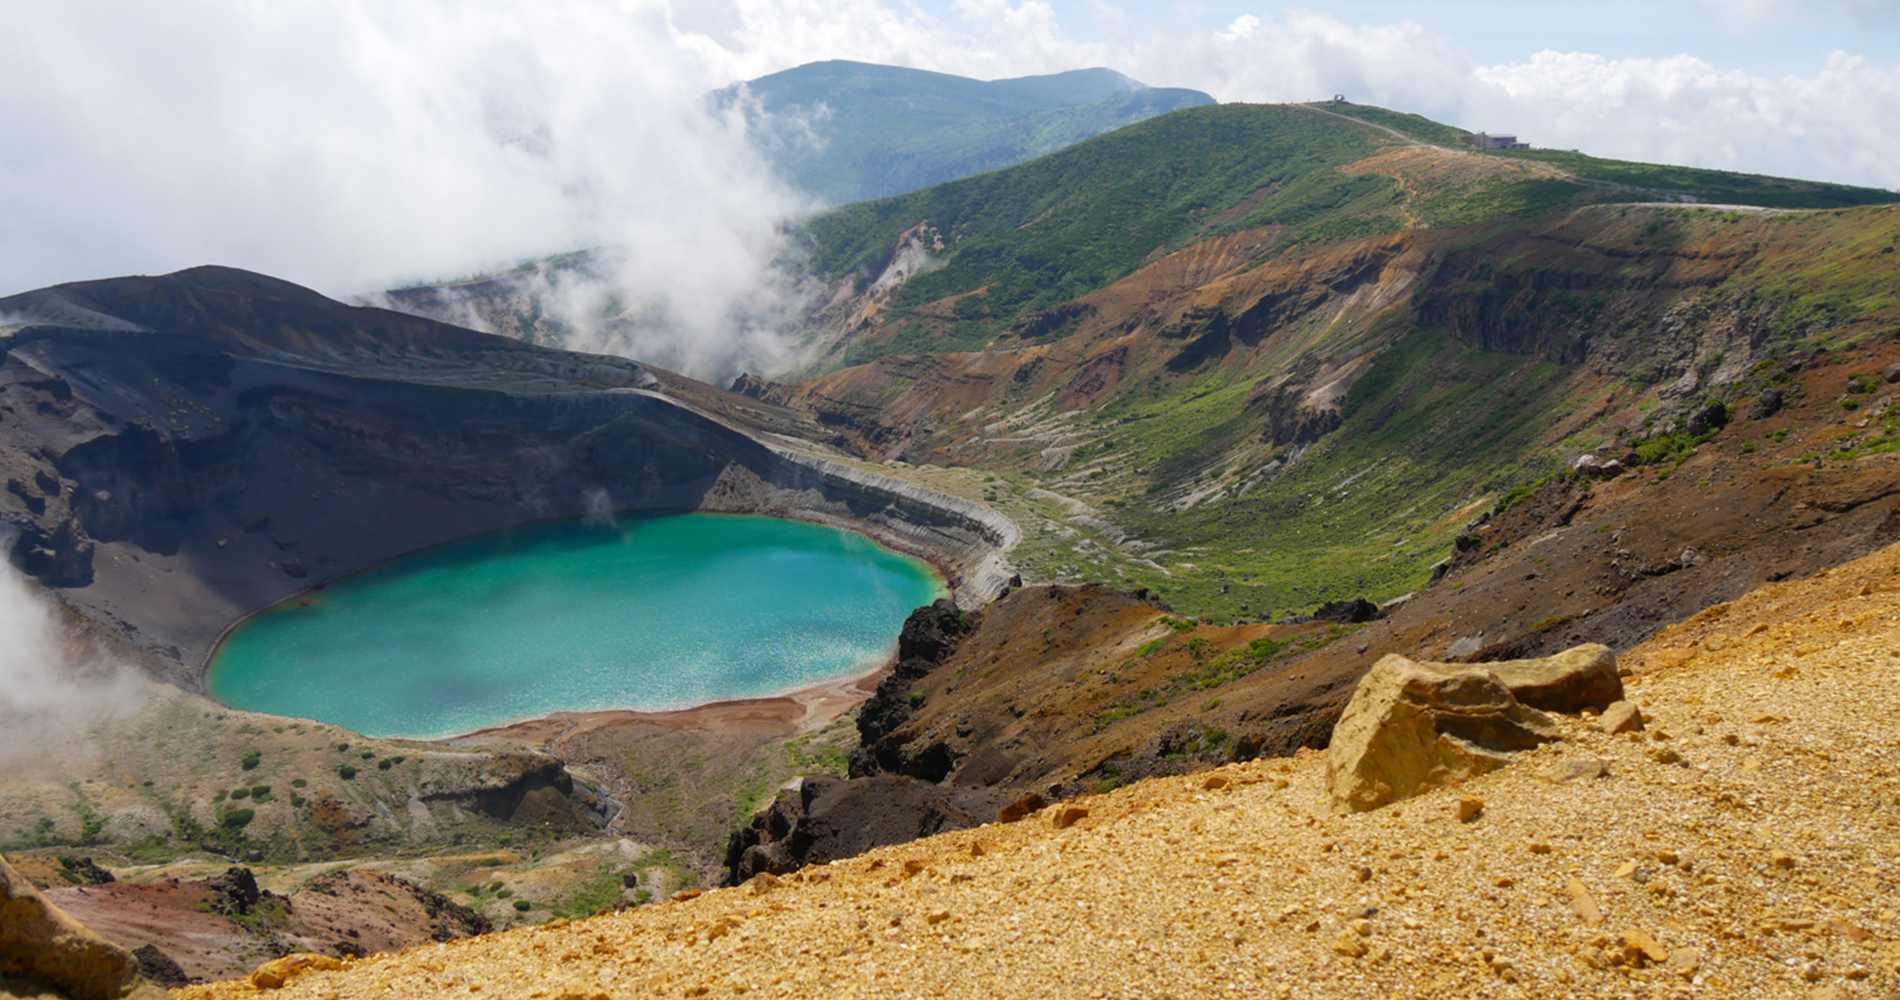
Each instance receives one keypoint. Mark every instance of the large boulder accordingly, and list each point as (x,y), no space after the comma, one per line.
(1413,726)
(47,948)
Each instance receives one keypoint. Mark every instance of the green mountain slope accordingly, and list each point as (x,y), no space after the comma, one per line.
(1260,357)
(849,131)
(1010,246)
(1710,186)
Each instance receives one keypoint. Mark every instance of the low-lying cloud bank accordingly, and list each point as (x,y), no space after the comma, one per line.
(352,145)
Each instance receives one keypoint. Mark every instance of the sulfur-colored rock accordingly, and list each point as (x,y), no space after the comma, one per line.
(1413,726)
(1640,949)
(275,974)
(1021,807)
(1577,678)
(1584,904)
(1067,816)
(45,947)
(1622,717)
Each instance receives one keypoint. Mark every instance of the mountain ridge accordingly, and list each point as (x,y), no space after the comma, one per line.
(847,131)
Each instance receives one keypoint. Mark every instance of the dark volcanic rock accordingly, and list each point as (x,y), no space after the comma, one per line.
(826,819)
(1766,405)
(1354,612)
(158,967)
(928,637)
(86,871)
(234,892)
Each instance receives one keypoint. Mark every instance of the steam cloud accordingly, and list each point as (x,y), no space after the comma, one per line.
(354,145)
(47,693)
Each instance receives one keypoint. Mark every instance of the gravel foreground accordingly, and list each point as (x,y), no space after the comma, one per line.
(1746,844)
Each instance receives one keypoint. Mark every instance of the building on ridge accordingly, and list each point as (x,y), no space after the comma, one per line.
(1485,141)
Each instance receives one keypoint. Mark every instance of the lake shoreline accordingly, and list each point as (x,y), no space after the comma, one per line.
(802,710)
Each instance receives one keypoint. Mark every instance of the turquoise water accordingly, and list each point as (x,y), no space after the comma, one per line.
(649,613)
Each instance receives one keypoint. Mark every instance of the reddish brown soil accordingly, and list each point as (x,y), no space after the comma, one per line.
(336,914)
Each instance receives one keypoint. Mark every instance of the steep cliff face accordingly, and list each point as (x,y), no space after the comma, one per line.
(208,443)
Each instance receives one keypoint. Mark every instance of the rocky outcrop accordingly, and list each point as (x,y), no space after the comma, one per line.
(531,789)
(1412,725)
(1354,612)
(827,819)
(929,636)
(45,947)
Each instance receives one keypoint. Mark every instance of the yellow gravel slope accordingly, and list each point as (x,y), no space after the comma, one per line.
(1746,845)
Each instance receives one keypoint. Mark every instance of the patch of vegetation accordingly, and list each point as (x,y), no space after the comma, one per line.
(90,824)
(826,751)
(1417,126)
(251,760)
(236,819)
(1206,674)
(346,772)
(598,892)
(1717,186)
(1431,427)
(1046,232)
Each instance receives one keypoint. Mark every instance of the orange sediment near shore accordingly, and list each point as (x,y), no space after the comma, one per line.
(803,710)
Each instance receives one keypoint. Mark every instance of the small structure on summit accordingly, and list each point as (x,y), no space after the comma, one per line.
(1486,141)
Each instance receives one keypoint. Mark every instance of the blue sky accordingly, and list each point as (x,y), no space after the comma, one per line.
(1767,39)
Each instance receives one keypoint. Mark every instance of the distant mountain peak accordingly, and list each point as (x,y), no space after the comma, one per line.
(888,130)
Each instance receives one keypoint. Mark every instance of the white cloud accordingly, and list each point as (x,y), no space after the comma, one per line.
(350,143)
(1842,123)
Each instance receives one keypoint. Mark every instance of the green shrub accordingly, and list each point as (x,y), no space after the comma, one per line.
(236,819)
(240,793)
(250,761)
(298,783)
(523,906)
(260,793)
(345,771)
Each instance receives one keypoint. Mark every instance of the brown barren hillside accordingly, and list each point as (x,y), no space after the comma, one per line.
(1743,845)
